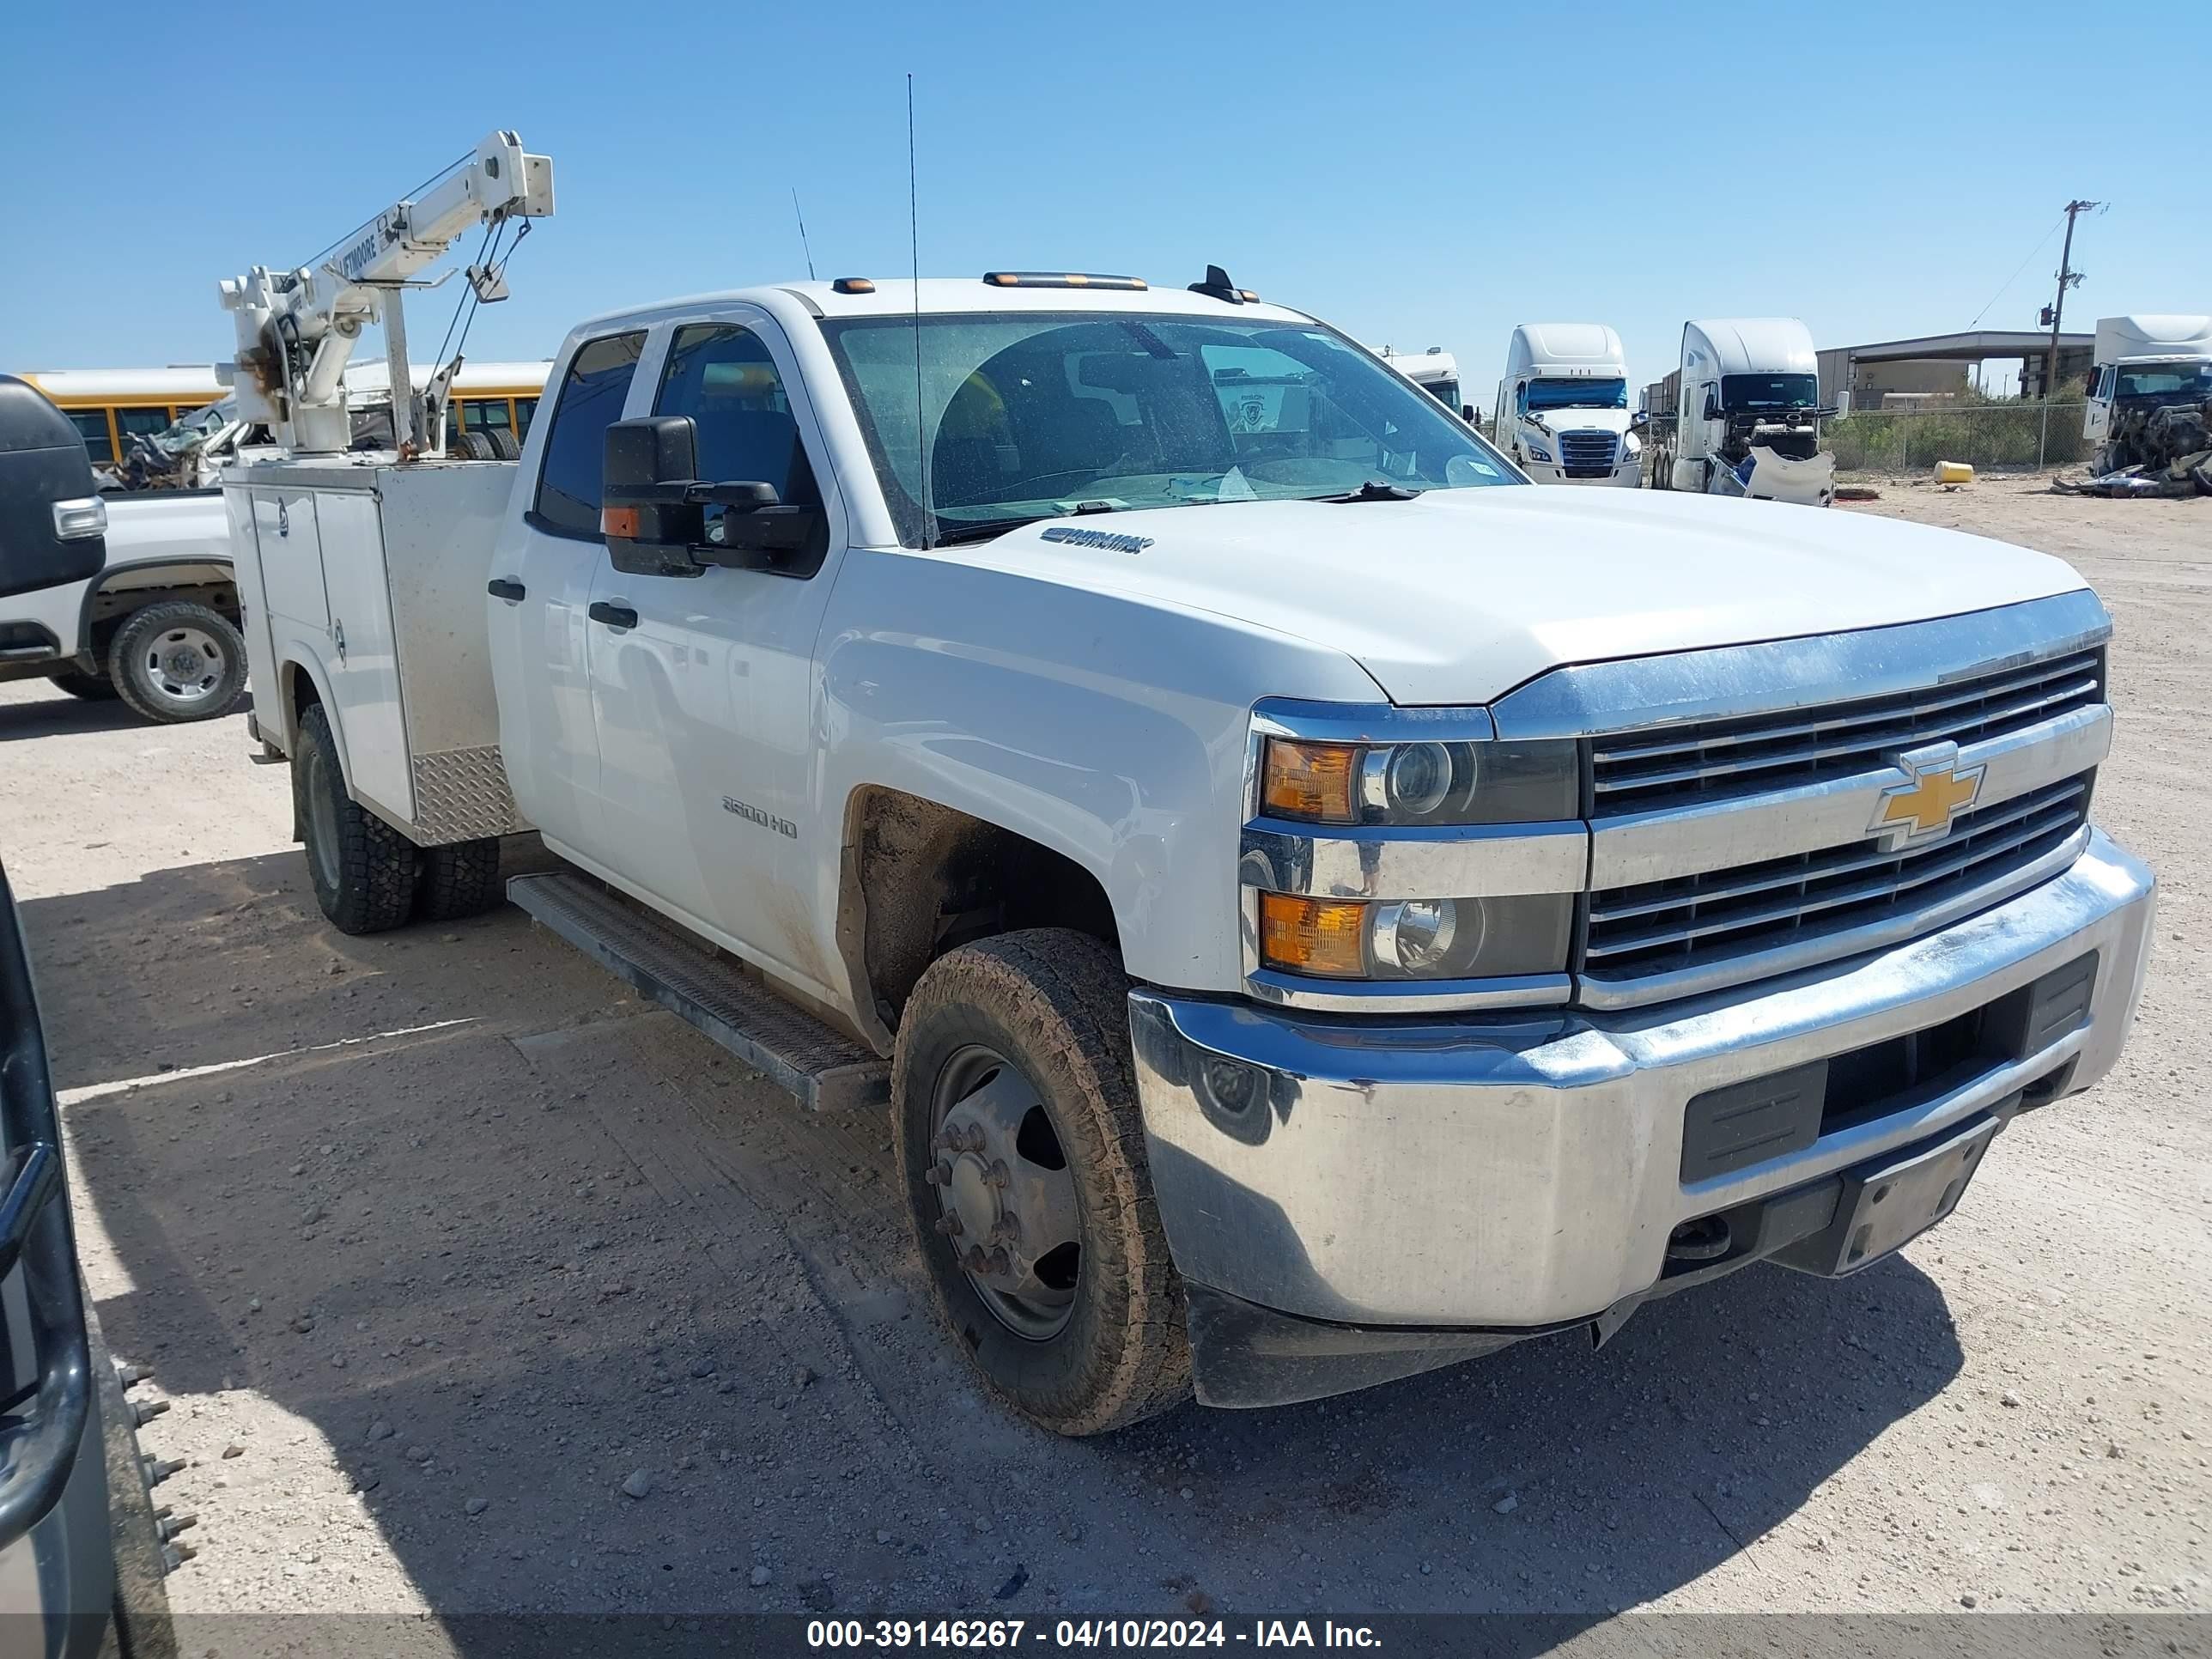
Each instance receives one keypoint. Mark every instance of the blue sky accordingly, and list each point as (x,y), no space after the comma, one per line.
(1418,175)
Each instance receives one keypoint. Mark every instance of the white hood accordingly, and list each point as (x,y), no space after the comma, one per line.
(1459,595)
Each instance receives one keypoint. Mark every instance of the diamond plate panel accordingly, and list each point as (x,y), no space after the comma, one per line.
(461,794)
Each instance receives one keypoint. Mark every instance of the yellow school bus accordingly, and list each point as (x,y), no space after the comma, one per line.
(109,406)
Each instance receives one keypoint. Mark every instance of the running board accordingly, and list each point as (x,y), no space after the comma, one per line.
(825,1069)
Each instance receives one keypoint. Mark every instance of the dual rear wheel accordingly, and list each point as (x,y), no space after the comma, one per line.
(369,877)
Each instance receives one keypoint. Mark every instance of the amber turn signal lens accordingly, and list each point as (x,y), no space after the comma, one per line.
(1312,936)
(1311,780)
(619,521)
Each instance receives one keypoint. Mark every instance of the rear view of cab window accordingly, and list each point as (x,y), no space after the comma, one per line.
(590,401)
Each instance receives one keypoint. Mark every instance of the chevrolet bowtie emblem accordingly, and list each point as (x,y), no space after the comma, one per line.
(1939,790)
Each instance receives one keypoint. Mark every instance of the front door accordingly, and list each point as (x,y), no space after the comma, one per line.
(541,572)
(701,684)
(2096,418)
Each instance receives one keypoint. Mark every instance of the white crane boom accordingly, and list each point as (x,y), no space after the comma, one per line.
(297,328)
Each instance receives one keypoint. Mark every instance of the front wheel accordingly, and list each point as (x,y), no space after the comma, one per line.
(1019,1138)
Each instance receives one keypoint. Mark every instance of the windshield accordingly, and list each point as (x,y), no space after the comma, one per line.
(1031,414)
(1740,392)
(1578,394)
(1445,391)
(2188,380)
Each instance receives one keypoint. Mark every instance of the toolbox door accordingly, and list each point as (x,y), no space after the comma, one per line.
(363,659)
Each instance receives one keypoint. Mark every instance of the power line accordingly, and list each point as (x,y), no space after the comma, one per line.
(2014,277)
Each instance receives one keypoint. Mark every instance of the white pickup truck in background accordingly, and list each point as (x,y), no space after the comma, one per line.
(157,626)
(1313,906)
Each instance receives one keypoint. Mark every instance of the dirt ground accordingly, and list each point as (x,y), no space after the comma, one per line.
(445,1249)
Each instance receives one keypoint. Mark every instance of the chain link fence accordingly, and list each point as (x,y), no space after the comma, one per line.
(1984,435)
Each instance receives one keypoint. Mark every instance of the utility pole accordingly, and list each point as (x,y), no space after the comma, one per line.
(2068,276)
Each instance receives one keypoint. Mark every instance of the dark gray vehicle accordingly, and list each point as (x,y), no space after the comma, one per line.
(82,1549)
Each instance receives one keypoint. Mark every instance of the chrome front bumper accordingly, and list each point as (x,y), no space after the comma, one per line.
(1508,1173)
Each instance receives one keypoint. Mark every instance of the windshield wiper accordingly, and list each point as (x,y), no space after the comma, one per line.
(1373,490)
(980,529)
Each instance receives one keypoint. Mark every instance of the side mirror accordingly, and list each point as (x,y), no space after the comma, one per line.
(54,526)
(651,466)
(1642,417)
(1470,413)
(660,518)
(1712,407)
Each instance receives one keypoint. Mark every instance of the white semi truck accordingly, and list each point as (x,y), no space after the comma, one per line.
(2143,364)
(1739,415)
(1436,371)
(1562,411)
(1311,907)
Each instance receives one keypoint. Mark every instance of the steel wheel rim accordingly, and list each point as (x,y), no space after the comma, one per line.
(185,665)
(1006,1200)
(323,822)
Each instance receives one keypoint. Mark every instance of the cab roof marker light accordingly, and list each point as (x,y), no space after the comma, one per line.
(1065,279)
(852,285)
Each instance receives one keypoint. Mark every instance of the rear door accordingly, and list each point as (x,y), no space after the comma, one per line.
(544,563)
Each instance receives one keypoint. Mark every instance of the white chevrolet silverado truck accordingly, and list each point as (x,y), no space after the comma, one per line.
(1315,907)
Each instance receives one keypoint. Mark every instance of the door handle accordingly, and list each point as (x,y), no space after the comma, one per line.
(614,616)
(36,1169)
(41,1438)
(504,587)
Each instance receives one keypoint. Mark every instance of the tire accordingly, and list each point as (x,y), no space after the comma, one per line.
(92,688)
(493,444)
(1041,1016)
(177,661)
(363,871)
(458,880)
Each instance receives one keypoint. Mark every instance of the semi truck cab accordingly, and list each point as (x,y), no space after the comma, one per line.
(1563,406)
(2145,363)
(1746,418)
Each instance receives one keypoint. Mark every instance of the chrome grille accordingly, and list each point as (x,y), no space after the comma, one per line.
(1587,454)
(1689,921)
(1666,766)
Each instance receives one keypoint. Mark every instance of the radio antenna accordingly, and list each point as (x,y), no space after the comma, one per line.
(914,241)
(803,247)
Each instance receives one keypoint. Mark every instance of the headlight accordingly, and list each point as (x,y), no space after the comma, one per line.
(1415,939)
(1420,783)
(1631,446)
(1538,453)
